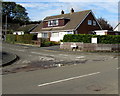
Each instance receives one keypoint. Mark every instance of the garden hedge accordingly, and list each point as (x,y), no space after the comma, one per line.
(26,38)
(86,38)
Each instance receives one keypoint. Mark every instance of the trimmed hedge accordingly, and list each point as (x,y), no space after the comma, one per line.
(45,42)
(11,38)
(86,38)
(26,38)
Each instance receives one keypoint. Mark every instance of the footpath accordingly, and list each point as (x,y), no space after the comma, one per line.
(7,58)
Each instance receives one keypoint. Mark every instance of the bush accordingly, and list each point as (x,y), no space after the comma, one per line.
(45,42)
(26,38)
(11,38)
(86,38)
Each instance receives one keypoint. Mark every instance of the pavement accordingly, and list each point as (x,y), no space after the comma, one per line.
(7,58)
(48,71)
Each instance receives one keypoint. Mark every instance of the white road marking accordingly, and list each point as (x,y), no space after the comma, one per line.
(63,80)
(118,68)
(19,61)
(52,55)
(36,53)
(20,50)
(25,61)
(80,57)
(65,55)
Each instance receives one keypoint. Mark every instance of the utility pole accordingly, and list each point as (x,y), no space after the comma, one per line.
(5,27)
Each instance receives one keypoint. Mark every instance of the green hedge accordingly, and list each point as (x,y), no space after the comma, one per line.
(86,38)
(26,38)
(45,42)
(11,38)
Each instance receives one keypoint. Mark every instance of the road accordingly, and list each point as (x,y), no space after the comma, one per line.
(43,71)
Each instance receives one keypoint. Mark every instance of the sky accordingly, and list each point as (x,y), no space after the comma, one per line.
(39,9)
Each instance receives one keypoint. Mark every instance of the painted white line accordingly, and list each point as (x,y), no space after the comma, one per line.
(52,55)
(63,80)
(80,57)
(20,50)
(65,55)
(19,61)
(25,61)
(36,53)
(118,68)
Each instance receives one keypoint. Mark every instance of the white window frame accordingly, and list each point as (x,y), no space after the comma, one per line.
(89,22)
(45,35)
(53,23)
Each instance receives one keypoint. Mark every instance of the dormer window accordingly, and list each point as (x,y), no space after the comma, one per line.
(53,23)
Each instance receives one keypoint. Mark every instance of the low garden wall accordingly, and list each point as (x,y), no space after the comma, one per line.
(89,46)
(91,42)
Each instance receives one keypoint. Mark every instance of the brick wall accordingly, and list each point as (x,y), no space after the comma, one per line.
(90,46)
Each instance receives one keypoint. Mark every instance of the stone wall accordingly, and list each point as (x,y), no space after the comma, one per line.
(89,46)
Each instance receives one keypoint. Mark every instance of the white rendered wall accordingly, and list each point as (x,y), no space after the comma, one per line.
(59,36)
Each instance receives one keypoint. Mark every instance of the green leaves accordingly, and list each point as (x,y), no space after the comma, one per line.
(14,12)
(26,38)
(86,38)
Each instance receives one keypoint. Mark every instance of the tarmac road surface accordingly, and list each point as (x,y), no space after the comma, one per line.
(42,71)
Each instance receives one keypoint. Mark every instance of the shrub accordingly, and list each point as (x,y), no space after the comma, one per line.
(47,43)
(86,38)
(26,38)
(11,38)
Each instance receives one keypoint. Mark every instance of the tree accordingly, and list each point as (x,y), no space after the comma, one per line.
(15,13)
(104,24)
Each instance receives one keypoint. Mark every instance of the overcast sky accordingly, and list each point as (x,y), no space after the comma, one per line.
(39,9)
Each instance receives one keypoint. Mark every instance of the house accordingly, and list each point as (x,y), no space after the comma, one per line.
(25,29)
(55,27)
(117,28)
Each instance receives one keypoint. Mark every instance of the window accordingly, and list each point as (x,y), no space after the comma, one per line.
(89,22)
(94,23)
(53,23)
(44,35)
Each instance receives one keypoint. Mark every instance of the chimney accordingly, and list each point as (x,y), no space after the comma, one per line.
(72,10)
(62,12)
